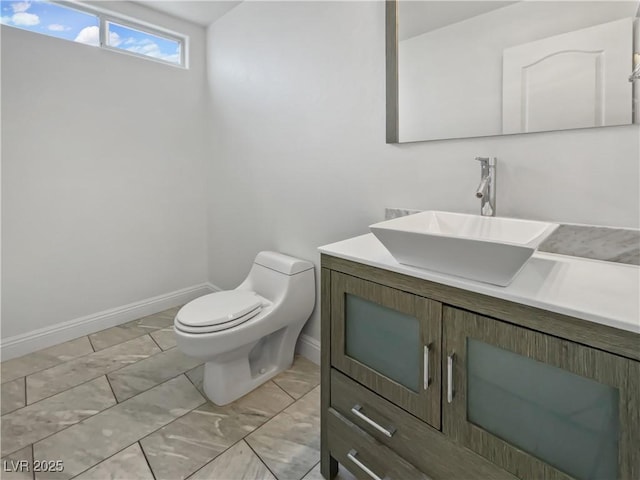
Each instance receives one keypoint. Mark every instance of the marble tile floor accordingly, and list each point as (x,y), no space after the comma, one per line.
(124,403)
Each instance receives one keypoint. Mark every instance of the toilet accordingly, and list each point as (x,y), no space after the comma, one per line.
(248,335)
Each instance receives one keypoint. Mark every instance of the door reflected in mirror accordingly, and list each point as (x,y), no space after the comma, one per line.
(485,68)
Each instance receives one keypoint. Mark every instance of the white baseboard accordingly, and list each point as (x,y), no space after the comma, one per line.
(309,348)
(18,345)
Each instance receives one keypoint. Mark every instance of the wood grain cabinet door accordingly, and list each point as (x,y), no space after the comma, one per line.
(389,341)
(536,405)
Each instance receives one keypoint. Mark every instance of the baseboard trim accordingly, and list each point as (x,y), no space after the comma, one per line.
(18,345)
(309,348)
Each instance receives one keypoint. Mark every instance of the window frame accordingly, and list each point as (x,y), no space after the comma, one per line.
(105,20)
(106,16)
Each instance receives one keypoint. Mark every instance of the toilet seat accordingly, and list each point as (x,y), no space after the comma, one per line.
(219,311)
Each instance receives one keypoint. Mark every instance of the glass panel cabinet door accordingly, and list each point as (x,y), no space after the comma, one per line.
(539,406)
(389,341)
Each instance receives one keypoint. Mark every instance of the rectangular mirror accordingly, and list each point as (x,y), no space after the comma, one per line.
(459,69)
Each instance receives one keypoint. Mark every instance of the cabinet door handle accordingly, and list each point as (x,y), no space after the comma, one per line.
(356,411)
(426,366)
(450,378)
(352,456)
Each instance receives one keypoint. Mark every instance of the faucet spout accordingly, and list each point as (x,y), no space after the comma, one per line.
(483,187)
(486,190)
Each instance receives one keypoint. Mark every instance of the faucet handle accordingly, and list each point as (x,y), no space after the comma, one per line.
(487,161)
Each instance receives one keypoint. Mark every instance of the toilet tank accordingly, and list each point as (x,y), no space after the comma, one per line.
(274,275)
(282,263)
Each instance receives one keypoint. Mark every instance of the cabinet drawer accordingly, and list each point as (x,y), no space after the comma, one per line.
(423,446)
(365,457)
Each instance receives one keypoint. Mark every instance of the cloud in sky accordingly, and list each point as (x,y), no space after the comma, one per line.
(25,19)
(114,39)
(144,46)
(56,27)
(89,36)
(20,6)
(20,16)
(149,48)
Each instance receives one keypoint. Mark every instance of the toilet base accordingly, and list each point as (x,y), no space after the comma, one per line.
(234,374)
(220,391)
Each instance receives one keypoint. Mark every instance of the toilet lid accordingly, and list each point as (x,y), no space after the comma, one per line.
(220,309)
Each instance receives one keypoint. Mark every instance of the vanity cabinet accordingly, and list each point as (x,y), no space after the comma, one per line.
(540,406)
(389,341)
(420,380)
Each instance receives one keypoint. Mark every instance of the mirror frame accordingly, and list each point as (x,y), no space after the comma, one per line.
(391,45)
(392,96)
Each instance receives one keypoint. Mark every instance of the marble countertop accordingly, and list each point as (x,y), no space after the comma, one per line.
(602,292)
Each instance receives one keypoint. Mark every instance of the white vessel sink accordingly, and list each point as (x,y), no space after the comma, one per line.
(487,249)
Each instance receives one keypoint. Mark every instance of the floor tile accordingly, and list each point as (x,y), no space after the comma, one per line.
(101,436)
(314,474)
(13,395)
(343,474)
(183,446)
(165,338)
(237,463)
(14,468)
(196,376)
(136,328)
(129,464)
(171,312)
(300,378)
(289,444)
(61,377)
(147,373)
(49,357)
(35,422)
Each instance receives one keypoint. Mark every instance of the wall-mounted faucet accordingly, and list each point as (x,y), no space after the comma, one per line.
(486,191)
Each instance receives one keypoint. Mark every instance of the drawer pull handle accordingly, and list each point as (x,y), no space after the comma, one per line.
(352,456)
(450,378)
(356,411)
(426,366)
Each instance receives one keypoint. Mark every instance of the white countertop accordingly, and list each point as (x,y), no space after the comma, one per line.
(602,292)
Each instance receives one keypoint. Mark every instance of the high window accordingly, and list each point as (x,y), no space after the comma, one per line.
(86,24)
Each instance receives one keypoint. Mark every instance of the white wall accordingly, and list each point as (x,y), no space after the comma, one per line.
(103,198)
(442,71)
(297,96)
(104,201)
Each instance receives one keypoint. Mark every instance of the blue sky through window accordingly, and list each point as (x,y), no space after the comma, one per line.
(58,21)
(51,19)
(142,43)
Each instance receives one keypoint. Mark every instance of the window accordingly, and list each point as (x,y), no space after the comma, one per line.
(51,19)
(92,26)
(143,43)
